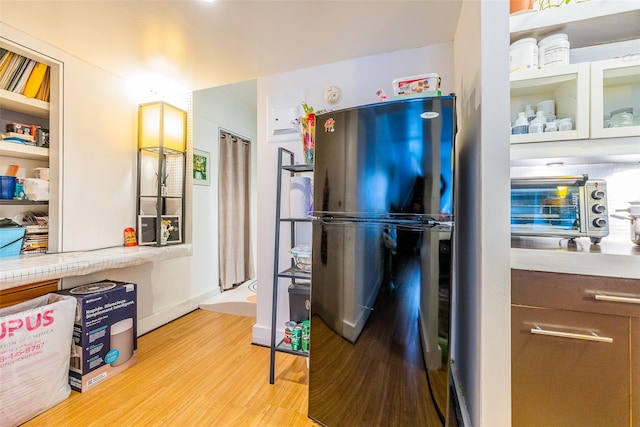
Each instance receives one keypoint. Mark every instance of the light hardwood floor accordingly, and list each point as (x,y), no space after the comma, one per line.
(199,370)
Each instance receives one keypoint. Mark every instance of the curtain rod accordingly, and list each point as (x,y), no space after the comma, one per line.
(234,137)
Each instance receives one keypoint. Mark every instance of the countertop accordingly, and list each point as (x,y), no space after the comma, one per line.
(25,269)
(612,258)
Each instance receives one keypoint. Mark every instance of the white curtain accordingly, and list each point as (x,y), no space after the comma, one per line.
(235,261)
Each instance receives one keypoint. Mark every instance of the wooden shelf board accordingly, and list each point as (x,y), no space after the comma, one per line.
(620,18)
(22,104)
(582,151)
(12,149)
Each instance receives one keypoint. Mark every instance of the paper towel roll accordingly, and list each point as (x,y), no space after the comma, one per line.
(300,197)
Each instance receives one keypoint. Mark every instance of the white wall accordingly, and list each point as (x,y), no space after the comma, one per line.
(359,79)
(220,107)
(482,292)
(99,162)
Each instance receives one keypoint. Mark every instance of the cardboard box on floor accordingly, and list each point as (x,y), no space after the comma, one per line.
(104,333)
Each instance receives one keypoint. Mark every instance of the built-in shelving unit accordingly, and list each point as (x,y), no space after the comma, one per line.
(15,107)
(587,92)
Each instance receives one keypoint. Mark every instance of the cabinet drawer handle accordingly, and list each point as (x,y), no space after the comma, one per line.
(614,298)
(539,331)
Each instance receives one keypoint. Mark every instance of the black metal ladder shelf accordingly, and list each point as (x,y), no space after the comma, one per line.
(286,163)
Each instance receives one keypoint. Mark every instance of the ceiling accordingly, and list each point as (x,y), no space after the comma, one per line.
(194,44)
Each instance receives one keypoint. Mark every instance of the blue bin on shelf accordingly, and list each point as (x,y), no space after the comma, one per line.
(7,187)
(11,236)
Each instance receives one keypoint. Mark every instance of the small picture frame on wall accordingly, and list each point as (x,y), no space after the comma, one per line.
(201,167)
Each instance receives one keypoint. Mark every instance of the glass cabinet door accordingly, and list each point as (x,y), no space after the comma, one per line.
(615,98)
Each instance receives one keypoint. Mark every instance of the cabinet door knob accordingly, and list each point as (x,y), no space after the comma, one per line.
(593,337)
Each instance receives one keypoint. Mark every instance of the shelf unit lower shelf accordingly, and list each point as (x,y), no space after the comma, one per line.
(284,347)
(295,273)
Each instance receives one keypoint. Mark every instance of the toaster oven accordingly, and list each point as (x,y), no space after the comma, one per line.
(561,206)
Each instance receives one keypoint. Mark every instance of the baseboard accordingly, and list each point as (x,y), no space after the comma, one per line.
(157,319)
(459,402)
(261,335)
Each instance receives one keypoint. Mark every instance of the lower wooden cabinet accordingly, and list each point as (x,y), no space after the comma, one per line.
(26,292)
(635,371)
(563,378)
(575,350)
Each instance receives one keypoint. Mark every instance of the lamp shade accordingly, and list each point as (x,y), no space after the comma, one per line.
(162,126)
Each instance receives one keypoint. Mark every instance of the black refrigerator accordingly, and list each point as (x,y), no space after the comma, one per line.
(381,264)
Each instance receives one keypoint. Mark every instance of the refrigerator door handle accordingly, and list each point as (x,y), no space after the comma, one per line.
(407,224)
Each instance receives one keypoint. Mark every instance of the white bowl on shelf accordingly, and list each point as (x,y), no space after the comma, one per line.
(302,257)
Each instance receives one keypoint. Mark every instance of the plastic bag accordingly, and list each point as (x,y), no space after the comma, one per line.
(35,343)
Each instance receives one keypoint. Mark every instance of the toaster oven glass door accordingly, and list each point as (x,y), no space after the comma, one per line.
(546,209)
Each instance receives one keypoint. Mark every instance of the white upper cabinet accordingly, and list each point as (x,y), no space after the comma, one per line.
(615,97)
(567,86)
(588,91)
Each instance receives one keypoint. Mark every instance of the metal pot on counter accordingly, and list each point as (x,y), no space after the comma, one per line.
(633,215)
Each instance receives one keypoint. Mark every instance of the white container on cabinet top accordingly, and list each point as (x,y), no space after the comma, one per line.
(568,86)
(615,85)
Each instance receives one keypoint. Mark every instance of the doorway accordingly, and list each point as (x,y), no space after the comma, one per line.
(234,214)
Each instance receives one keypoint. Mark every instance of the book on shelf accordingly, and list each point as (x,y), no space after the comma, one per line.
(24,76)
(4,63)
(36,78)
(36,238)
(20,84)
(9,70)
(34,252)
(6,57)
(17,137)
(34,249)
(35,229)
(43,91)
(17,74)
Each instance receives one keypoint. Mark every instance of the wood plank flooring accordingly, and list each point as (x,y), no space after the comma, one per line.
(199,370)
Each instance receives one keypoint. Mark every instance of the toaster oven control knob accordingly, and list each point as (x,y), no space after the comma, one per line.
(599,209)
(597,194)
(599,222)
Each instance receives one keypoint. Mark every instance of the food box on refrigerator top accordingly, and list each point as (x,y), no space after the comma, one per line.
(420,85)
